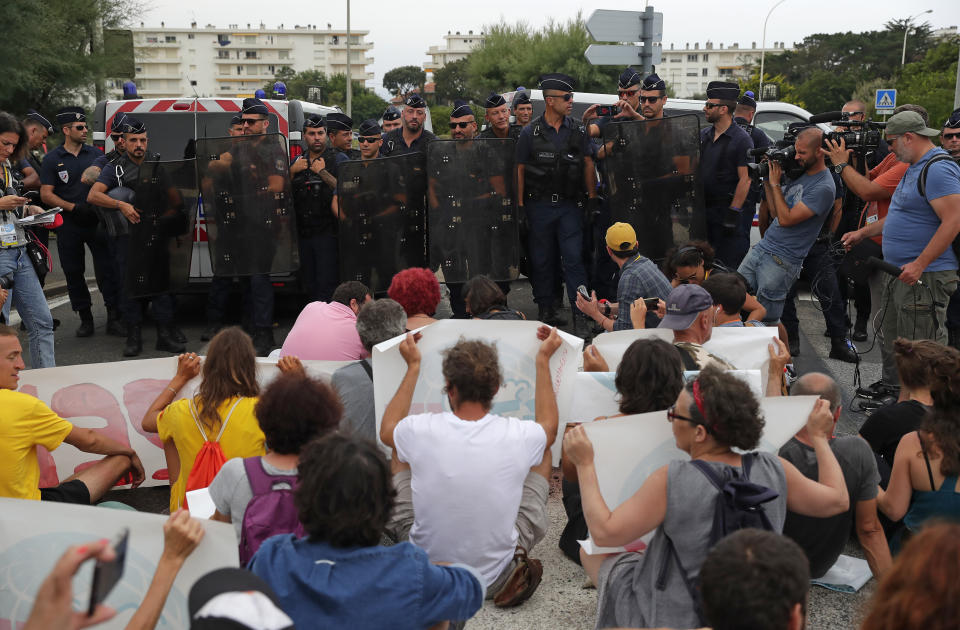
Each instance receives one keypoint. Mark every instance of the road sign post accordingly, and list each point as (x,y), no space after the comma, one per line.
(886,101)
(645,27)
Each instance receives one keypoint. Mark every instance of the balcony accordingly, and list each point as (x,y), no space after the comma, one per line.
(146,44)
(342,45)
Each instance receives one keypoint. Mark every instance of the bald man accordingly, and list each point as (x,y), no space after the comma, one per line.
(823,539)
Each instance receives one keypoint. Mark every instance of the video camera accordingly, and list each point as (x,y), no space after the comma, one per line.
(861,137)
(781,151)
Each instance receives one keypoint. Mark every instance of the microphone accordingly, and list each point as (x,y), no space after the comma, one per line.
(886,267)
(825,117)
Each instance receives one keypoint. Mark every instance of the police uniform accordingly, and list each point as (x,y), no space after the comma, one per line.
(521,97)
(952,125)
(760,141)
(719,161)
(393,142)
(316,225)
(111,157)
(493,101)
(62,170)
(389,114)
(553,189)
(341,122)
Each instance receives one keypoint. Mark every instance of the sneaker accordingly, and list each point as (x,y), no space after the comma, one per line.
(523,581)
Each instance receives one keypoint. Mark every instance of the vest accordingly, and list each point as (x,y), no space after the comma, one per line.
(312,198)
(554,174)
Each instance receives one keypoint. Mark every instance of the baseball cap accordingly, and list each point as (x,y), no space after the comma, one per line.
(909,122)
(235,599)
(621,237)
(684,303)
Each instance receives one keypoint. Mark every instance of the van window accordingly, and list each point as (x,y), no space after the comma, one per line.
(775,124)
(170,133)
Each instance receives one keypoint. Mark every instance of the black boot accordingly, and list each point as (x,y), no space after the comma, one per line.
(549,315)
(166,342)
(134,341)
(860,328)
(86,323)
(582,325)
(263,341)
(176,334)
(843,349)
(114,325)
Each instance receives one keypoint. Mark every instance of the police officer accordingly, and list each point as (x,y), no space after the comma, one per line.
(522,108)
(313,184)
(236,126)
(370,139)
(391,119)
(723,171)
(411,137)
(263,171)
(743,115)
(60,185)
(117,214)
(498,119)
(556,173)
(950,136)
(628,89)
(117,127)
(340,131)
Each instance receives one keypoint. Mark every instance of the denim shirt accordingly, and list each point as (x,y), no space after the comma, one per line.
(320,586)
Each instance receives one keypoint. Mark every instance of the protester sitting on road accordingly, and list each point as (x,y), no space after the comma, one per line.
(693,262)
(690,313)
(293,410)
(485,300)
(649,378)
(923,483)
(729,292)
(327,331)
(377,322)
(28,423)
(639,278)
(755,579)
(884,428)
(470,475)
(921,590)
(714,413)
(221,410)
(338,576)
(823,539)
(418,292)
(53,603)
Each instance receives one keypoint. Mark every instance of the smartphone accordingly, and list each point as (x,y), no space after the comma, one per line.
(607,110)
(582,290)
(107,574)
(651,303)
(32,195)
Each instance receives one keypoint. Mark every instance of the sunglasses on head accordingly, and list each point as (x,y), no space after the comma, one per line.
(371,140)
(461,125)
(565,96)
(650,99)
(951,136)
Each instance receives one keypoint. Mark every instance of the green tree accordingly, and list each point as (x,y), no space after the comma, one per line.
(52,49)
(788,91)
(452,82)
(404,79)
(333,92)
(930,82)
(440,117)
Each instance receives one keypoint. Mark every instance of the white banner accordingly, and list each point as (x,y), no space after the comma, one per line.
(34,534)
(517,345)
(113,398)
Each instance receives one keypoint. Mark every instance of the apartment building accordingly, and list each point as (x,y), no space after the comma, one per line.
(456,46)
(688,70)
(238,59)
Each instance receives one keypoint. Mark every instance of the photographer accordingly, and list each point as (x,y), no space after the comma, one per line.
(799,210)
(15,263)
(918,231)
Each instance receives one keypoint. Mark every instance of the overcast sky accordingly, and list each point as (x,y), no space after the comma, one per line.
(403,30)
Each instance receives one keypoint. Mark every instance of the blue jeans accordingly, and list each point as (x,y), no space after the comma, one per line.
(27,296)
(555,227)
(771,276)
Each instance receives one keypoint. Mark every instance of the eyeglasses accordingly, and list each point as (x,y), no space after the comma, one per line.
(892,139)
(461,125)
(650,99)
(712,105)
(251,121)
(566,96)
(362,139)
(852,114)
(79,127)
(623,93)
(950,136)
(673,415)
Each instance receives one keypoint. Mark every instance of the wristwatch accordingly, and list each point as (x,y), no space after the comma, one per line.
(838,168)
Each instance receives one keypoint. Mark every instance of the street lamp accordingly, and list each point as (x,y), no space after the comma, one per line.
(906,29)
(763,47)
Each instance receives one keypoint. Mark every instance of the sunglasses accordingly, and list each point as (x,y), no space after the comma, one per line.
(673,415)
(251,121)
(460,125)
(566,96)
(80,127)
(712,105)
(362,140)
(623,93)
(650,99)
(950,136)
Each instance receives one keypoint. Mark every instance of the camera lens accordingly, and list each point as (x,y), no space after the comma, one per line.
(6,281)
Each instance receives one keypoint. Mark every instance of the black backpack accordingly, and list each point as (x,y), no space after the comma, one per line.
(922,189)
(739,505)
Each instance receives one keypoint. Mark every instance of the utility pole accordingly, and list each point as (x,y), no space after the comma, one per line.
(956,89)
(349,82)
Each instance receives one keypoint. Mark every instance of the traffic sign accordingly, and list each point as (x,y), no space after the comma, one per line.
(614,55)
(886,101)
(606,25)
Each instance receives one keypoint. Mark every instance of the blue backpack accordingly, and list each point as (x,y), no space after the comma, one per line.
(270,512)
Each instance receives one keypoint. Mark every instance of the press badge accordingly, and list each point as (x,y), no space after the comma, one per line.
(871,218)
(8,235)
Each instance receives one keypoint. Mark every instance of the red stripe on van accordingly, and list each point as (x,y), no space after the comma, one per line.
(127,106)
(281,121)
(227,105)
(163,105)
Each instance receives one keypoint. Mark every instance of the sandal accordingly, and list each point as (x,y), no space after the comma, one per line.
(523,581)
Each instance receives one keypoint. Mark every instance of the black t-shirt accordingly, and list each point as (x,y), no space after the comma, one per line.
(887,425)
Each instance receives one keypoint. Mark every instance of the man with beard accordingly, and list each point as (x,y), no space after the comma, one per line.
(498,119)
(522,108)
(340,130)
(391,119)
(411,137)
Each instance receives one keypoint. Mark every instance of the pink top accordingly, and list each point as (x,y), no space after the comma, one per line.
(324,332)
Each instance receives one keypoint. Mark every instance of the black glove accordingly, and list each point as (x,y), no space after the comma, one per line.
(593,205)
(84,215)
(731,219)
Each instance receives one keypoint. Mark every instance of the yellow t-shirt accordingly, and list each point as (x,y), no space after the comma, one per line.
(25,422)
(241,438)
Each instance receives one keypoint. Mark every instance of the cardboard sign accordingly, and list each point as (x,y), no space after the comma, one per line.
(34,534)
(113,398)
(517,345)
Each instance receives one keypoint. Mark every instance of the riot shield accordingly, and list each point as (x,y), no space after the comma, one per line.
(382,218)
(472,210)
(160,245)
(653,180)
(248,205)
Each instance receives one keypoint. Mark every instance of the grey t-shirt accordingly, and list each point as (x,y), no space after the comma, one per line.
(355,388)
(822,539)
(817,193)
(230,489)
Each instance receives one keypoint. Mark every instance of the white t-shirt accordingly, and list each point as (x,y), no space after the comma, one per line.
(467,481)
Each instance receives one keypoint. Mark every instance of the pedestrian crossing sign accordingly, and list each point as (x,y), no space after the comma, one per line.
(886,101)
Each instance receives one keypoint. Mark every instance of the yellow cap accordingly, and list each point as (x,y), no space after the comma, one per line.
(621,237)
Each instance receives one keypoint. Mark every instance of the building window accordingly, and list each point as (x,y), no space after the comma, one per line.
(334,39)
(675,59)
(152,40)
(706,56)
(692,57)
(190,36)
(725,72)
(138,70)
(283,54)
(239,69)
(692,74)
(271,70)
(171,39)
(223,54)
(705,72)
(251,54)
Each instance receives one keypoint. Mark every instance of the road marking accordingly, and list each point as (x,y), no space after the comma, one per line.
(51,304)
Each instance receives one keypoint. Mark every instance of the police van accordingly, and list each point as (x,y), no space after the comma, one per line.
(173,124)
